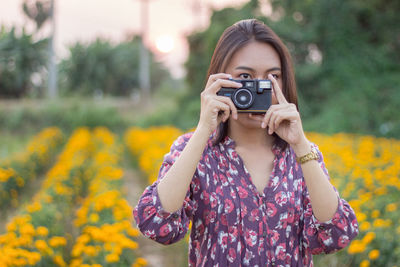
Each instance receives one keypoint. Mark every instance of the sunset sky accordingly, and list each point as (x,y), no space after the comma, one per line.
(85,20)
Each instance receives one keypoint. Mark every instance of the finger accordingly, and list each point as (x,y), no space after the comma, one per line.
(288,116)
(277,90)
(229,102)
(220,106)
(270,112)
(219,83)
(213,77)
(279,117)
(272,122)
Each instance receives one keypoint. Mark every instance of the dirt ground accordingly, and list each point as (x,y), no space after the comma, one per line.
(156,254)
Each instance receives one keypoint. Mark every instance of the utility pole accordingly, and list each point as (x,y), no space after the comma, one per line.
(51,65)
(144,66)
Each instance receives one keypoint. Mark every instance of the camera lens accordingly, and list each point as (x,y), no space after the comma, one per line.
(243,98)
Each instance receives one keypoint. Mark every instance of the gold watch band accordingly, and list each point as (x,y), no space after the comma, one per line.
(313,155)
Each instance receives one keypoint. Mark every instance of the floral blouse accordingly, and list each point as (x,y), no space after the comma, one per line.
(233,224)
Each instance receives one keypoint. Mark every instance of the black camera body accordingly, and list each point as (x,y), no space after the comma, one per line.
(253,97)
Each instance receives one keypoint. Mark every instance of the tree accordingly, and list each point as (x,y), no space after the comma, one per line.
(105,67)
(346,56)
(353,85)
(20,59)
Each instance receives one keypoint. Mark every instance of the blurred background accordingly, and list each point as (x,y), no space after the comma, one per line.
(135,64)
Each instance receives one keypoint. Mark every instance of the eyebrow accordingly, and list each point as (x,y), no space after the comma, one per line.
(251,69)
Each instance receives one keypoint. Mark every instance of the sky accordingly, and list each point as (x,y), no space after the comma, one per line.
(86,20)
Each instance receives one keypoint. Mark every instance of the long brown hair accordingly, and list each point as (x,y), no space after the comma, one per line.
(237,36)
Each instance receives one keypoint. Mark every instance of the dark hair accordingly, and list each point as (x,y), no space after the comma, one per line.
(237,36)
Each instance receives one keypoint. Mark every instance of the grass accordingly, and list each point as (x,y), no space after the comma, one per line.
(11,143)
(28,116)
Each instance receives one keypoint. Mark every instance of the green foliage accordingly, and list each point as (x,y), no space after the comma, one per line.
(21,57)
(64,114)
(103,68)
(353,86)
(202,44)
(346,56)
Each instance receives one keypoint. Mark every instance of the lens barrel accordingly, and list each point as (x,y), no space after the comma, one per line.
(243,98)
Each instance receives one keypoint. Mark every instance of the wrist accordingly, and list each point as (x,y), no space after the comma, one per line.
(302,148)
(202,132)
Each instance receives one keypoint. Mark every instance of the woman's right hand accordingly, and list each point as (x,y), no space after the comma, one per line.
(212,104)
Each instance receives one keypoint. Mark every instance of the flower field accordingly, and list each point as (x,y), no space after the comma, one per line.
(22,168)
(80,215)
(365,170)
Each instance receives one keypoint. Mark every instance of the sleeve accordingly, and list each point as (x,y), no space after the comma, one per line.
(332,235)
(152,220)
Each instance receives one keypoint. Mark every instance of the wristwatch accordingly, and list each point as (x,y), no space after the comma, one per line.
(313,155)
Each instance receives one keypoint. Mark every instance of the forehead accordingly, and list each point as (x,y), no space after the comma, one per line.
(257,55)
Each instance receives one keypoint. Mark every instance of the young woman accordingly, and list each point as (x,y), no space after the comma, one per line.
(256,190)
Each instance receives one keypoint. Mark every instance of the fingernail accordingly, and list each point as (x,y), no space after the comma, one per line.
(263,125)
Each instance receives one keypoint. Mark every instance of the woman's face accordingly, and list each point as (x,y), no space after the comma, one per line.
(255,61)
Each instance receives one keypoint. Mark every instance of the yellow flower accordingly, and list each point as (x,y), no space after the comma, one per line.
(373,254)
(77,250)
(356,247)
(133,232)
(5,174)
(27,229)
(364,226)
(58,259)
(84,238)
(76,263)
(35,206)
(365,263)
(42,231)
(108,247)
(41,245)
(57,241)
(391,207)
(90,251)
(140,262)
(369,237)
(375,214)
(94,217)
(382,223)
(112,258)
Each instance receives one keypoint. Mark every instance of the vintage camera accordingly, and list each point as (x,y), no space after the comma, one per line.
(253,97)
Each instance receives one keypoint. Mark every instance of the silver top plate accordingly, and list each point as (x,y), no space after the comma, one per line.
(265,84)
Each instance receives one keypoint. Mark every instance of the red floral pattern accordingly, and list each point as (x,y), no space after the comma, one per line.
(235,225)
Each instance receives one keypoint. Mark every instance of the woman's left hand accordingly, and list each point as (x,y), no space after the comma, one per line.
(283,118)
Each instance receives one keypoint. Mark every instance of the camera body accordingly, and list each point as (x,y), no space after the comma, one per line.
(253,97)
